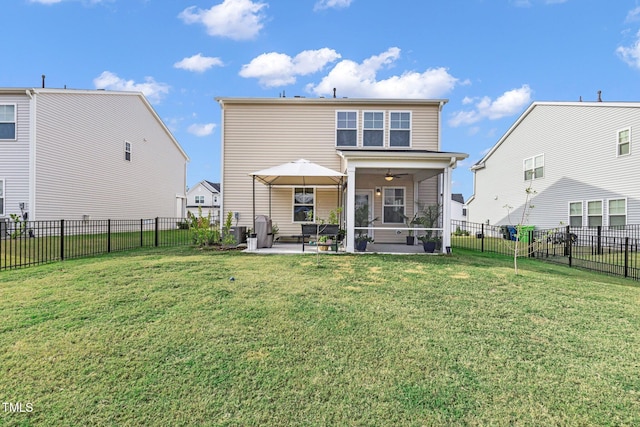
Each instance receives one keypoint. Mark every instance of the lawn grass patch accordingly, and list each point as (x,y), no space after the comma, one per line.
(180,336)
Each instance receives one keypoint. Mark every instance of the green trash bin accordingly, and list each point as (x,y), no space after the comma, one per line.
(524,232)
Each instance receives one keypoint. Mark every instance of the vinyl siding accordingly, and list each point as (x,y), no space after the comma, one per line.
(580,164)
(80,163)
(263,135)
(14,156)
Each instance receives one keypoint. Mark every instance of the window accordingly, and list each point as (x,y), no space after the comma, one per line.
(7,122)
(617,212)
(624,142)
(127,151)
(303,204)
(575,214)
(346,128)
(373,133)
(464,211)
(534,167)
(594,213)
(393,205)
(215,200)
(200,200)
(399,129)
(1,197)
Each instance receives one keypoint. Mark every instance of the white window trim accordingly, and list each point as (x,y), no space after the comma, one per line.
(404,204)
(582,210)
(15,121)
(383,130)
(601,210)
(533,159)
(198,198)
(618,143)
(127,151)
(626,204)
(410,129)
(335,135)
(293,204)
(3,193)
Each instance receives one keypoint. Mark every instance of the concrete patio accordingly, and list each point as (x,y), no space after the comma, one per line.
(381,248)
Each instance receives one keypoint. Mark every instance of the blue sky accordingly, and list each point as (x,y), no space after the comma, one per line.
(490,58)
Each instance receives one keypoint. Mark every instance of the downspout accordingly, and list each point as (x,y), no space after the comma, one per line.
(32,155)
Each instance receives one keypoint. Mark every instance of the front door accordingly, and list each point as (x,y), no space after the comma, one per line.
(365,198)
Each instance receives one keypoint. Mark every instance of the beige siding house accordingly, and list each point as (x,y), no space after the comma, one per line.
(74,154)
(387,150)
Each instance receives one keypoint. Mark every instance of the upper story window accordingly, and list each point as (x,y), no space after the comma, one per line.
(127,151)
(346,128)
(393,205)
(373,129)
(399,129)
(617,212)
(200,200)
(624,142)
(303,204)
(594,213)
(575,214)
(534,167)
(8,121)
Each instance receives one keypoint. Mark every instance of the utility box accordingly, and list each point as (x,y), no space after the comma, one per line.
(264,231)
(240,233)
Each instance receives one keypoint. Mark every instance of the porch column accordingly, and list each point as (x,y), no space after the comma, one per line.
(350,208)
(446,209)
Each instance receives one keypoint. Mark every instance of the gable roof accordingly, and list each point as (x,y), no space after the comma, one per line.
(214,186)
(481,163)
(457,197)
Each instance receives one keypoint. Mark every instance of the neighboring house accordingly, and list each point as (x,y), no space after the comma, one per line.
(205,197)
(381,153)
(80,154)
(458,208)
(580,158)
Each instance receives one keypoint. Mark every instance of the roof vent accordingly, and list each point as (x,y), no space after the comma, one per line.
(599,96)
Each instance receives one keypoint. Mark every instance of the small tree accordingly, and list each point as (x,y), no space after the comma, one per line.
(524,217)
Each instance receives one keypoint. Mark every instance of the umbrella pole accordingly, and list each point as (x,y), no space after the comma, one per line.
(254,203)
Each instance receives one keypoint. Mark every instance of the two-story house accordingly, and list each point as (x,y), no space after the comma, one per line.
(380,153)
(204,197)
(78,154)
(578,158)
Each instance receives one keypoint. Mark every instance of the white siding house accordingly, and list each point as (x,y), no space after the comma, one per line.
(580,158)
(205,196)
(74,154)
(458,208)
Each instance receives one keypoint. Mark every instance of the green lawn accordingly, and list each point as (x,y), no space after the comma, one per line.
(164,337)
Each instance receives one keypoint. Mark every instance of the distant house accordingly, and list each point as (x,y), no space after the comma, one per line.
(458,208)
(205,197)
(96,154)
(296,159)
(580,158)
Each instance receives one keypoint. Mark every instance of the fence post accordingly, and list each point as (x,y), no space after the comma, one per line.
(62,239)
(109,235)
(141,232)
(482,237)
(532,252)
(567,240)
(626,257)
(569,246)
(157,222)
(599,243)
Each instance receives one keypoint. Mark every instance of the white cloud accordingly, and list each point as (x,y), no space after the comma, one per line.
(360,80)
(198,63)
(631,54)
(152,90)
(279,69)
(201,129)
(235,19)
(329,4)
(508,104)
(633,15)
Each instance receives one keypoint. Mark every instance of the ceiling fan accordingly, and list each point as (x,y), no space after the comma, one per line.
(390,176)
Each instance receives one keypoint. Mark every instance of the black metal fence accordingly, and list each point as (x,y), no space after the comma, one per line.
(609,250)
(28,243)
